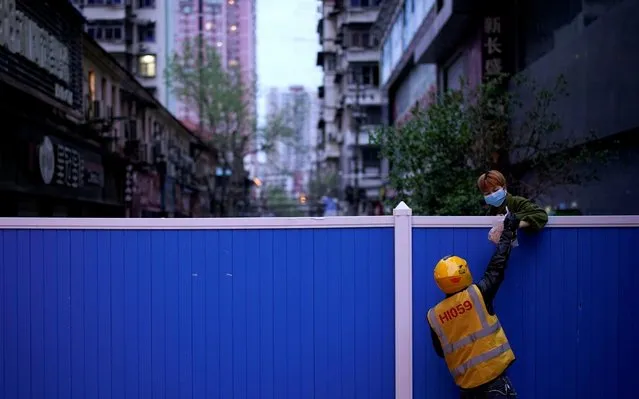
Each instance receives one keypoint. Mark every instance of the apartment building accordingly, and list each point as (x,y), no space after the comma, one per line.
(137,33)
(84,137)
(429,45)
(350,99)
(228,25)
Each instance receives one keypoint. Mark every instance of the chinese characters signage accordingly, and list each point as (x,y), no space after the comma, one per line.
(62,165)
(493,47)
(40,47)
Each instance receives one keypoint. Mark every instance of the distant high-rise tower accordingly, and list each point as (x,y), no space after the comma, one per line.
(229,25)
(289,164)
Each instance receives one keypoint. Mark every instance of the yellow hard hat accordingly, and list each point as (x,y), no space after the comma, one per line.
(452,274)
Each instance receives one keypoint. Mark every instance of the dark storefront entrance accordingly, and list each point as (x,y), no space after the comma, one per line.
(47,165)
(44,172)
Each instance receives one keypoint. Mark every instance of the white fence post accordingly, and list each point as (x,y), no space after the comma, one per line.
(403,217)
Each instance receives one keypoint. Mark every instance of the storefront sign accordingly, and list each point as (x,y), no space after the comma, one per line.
(493,61)
(34,35)
(62,165)
(150,191)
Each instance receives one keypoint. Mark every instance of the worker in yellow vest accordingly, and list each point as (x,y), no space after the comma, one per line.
(465,330)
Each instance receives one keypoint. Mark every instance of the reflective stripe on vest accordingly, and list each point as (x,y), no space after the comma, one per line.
(485,331)
(484,357)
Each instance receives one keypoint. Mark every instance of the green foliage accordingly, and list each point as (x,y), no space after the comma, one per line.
(437,156)
(281,204)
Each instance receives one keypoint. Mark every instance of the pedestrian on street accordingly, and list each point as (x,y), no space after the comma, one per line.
(464,327)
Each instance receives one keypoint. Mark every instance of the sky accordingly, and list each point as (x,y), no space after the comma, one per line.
(287,45)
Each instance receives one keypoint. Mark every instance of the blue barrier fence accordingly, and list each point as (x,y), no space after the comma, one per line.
(197,314)
(567,306)
(321,310)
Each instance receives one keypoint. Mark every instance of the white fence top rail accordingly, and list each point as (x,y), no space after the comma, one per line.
(196,223)
(553,221)
(294,223)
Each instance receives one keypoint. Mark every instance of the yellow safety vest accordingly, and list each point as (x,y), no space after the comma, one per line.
(475,346)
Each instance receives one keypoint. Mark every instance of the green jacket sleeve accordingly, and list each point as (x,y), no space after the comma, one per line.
(529,212)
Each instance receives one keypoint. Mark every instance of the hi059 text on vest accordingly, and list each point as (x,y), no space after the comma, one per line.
(455,311)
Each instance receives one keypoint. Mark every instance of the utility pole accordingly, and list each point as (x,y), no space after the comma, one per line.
(356,151)
(200,61)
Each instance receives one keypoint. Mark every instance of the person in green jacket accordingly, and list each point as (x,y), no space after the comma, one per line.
(492,184)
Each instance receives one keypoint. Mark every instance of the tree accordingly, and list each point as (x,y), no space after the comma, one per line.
(437,155)
(222,103)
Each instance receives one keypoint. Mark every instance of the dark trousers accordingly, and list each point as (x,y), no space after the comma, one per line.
(501,387)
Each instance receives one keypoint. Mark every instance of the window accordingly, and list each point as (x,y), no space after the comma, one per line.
(331,63)
(371,157)
(146,3)
(99,2)
(147,67)
(106,31)
(373,115)
(146,33)
(366,75)
(91,80)
(365,3)
(360,38)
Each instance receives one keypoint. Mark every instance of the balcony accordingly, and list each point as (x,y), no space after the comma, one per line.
(365,134)
(110,12)
(146,15)
(360,15)
(146,48)
(361,54)
(329,46)
(113,46)
(331,150)
(367,96)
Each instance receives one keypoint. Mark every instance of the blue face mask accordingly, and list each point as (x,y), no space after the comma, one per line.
(497,198)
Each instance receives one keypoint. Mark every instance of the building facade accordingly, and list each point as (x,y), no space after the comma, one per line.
(83,137)
(137,34)
(351,101)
